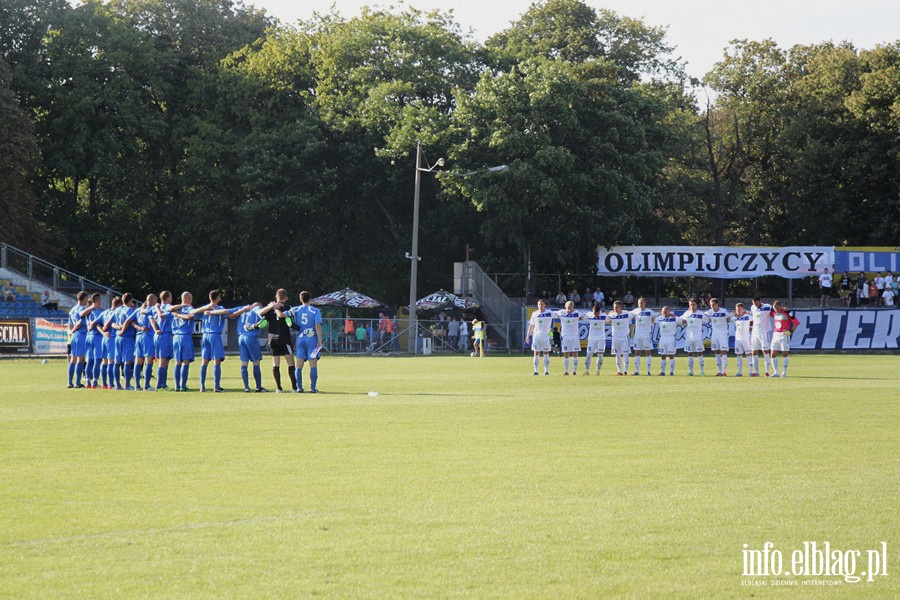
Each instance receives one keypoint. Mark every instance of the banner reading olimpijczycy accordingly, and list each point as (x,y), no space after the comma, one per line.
(727,262)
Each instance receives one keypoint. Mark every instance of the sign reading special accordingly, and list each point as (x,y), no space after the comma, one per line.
(15,334)
(726,262)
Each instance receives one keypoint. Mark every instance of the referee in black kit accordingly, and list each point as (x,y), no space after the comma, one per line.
(280,338)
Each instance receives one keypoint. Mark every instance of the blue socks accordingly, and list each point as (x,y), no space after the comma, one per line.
(177,376)
(79,371)
(244,377)
(161,375)
(298,375)
(202,377)
(148,372)
(313,377)
(217,376)
(71,372)
(184,375)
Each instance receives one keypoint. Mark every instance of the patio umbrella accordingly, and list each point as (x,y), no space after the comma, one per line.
(346,298)
(444,300)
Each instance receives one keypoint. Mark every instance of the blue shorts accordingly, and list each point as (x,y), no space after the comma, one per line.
(95,347)
(144,346)
(183,347)
(79,345)
(109,348)
(306,348)
(211,347)
(162,343)
(249,347)
(124,349)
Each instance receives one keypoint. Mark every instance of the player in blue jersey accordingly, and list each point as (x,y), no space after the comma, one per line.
(109,345)
(77,330)
(123,323)
(248,345)
(182,340)
(307,320)
(94,341)
(144,349)
(211,347)
(162,338)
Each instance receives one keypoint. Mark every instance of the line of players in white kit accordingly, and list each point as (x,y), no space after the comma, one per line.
(765,329)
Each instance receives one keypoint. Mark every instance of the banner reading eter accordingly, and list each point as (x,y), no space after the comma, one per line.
(726,262)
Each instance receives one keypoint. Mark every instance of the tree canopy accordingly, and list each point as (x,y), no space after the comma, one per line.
(200,144)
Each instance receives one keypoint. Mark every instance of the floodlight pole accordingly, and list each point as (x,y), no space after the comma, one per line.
(414,256)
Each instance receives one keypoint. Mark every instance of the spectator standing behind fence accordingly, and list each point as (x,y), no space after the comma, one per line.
(598,297)
(587,298)
(879,285)
(825,287)
(8,294)
(873,294)
(384,329)
(846,296)
(862,290)
(629,300)
(560,298)
(463,335)
(575,297)
(453,332)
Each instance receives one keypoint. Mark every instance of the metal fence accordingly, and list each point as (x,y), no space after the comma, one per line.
(48,274)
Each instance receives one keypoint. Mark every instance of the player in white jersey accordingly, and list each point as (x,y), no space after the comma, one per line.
(596,321)
(693,321)
(643,326)
(719,319)
(539,335)
(620,324)
(668,325)
(760,335)
(571,345)
(742,347)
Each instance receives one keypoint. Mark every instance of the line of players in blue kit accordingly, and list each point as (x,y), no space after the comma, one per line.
(764,329)
(116,348)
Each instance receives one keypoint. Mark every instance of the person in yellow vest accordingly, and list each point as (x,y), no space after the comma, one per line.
(478,337)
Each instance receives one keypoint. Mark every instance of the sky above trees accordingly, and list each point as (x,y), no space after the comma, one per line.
(700,29)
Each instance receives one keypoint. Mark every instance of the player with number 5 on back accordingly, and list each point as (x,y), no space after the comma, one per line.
(307,320)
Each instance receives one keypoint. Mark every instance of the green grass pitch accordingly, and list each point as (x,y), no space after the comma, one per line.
(462,478)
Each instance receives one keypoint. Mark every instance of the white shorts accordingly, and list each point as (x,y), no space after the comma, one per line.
(719,343)
(642,342)
(666,347)
(691,345)
(596,346)
(741,347)
(760,341)
(540,343)
(571,343)
(621,346)
(781,342)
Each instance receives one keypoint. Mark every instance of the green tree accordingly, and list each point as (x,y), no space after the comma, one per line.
(18,154)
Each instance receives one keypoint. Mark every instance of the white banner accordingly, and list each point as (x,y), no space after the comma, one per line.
(855,329)
(726,262)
